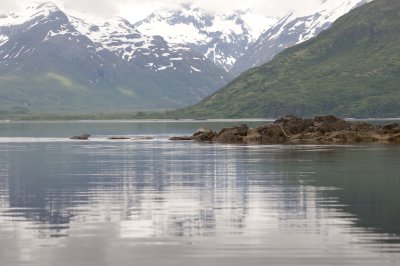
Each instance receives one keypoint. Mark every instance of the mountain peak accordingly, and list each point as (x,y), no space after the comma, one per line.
(47,5)
(222,38)
(117,20)
(186,7)
(41,8)
(30,12)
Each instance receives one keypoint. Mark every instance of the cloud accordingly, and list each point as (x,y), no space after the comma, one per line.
(272,8)
(283,7)
(102,8)
(137,9)
(8,5)
(262,7)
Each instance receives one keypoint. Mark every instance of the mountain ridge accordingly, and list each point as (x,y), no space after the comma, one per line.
(222,38)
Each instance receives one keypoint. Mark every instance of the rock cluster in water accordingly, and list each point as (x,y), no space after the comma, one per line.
(81,137)
(295,130)
(87,136)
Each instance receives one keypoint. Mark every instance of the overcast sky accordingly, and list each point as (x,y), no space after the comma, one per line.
(138,9)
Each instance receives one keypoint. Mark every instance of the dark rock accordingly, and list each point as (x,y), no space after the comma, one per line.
(233,134)
(287,119)
(203,134)
(363,127)
(253,136)
(145,138)
(294,125)
(181,138)
(206,136)
(202,131)
(330,124)
(326,119)
(395,138)
(81,137)
(391,126)
(118,138)
(142,138)
(274,134)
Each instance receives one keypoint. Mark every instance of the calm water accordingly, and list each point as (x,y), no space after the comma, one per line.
(155,202)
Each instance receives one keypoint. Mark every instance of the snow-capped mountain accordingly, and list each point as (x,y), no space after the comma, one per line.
(173,58)
(293,29)
(31,12)
(220,38)
(151,52)
(29,32)
(48,58)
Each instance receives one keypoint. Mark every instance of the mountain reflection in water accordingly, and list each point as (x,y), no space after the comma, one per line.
(163,202)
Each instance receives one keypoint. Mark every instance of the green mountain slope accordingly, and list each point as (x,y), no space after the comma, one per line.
(351,70)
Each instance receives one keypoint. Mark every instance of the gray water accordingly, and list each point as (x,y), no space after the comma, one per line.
(157,202)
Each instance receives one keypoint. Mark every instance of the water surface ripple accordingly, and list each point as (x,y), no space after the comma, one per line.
(156,202)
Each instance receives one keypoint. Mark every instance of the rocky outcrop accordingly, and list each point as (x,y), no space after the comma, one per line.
(81,137)
(118,138)
(295,130)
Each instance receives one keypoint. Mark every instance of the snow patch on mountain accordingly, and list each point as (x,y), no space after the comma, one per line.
(293,29)
(259,24)
(121,37)
(330,11)
(222,38)
(116,35)
(3,39)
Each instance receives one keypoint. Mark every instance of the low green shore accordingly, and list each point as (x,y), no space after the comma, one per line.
(127,116)
(81,116)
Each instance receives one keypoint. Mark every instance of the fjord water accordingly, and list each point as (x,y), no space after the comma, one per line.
(156,202)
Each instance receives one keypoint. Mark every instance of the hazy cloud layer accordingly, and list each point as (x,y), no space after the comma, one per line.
(137,9)
(8,5)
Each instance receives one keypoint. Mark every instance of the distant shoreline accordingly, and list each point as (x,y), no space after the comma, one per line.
(146,117)
(144,120)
